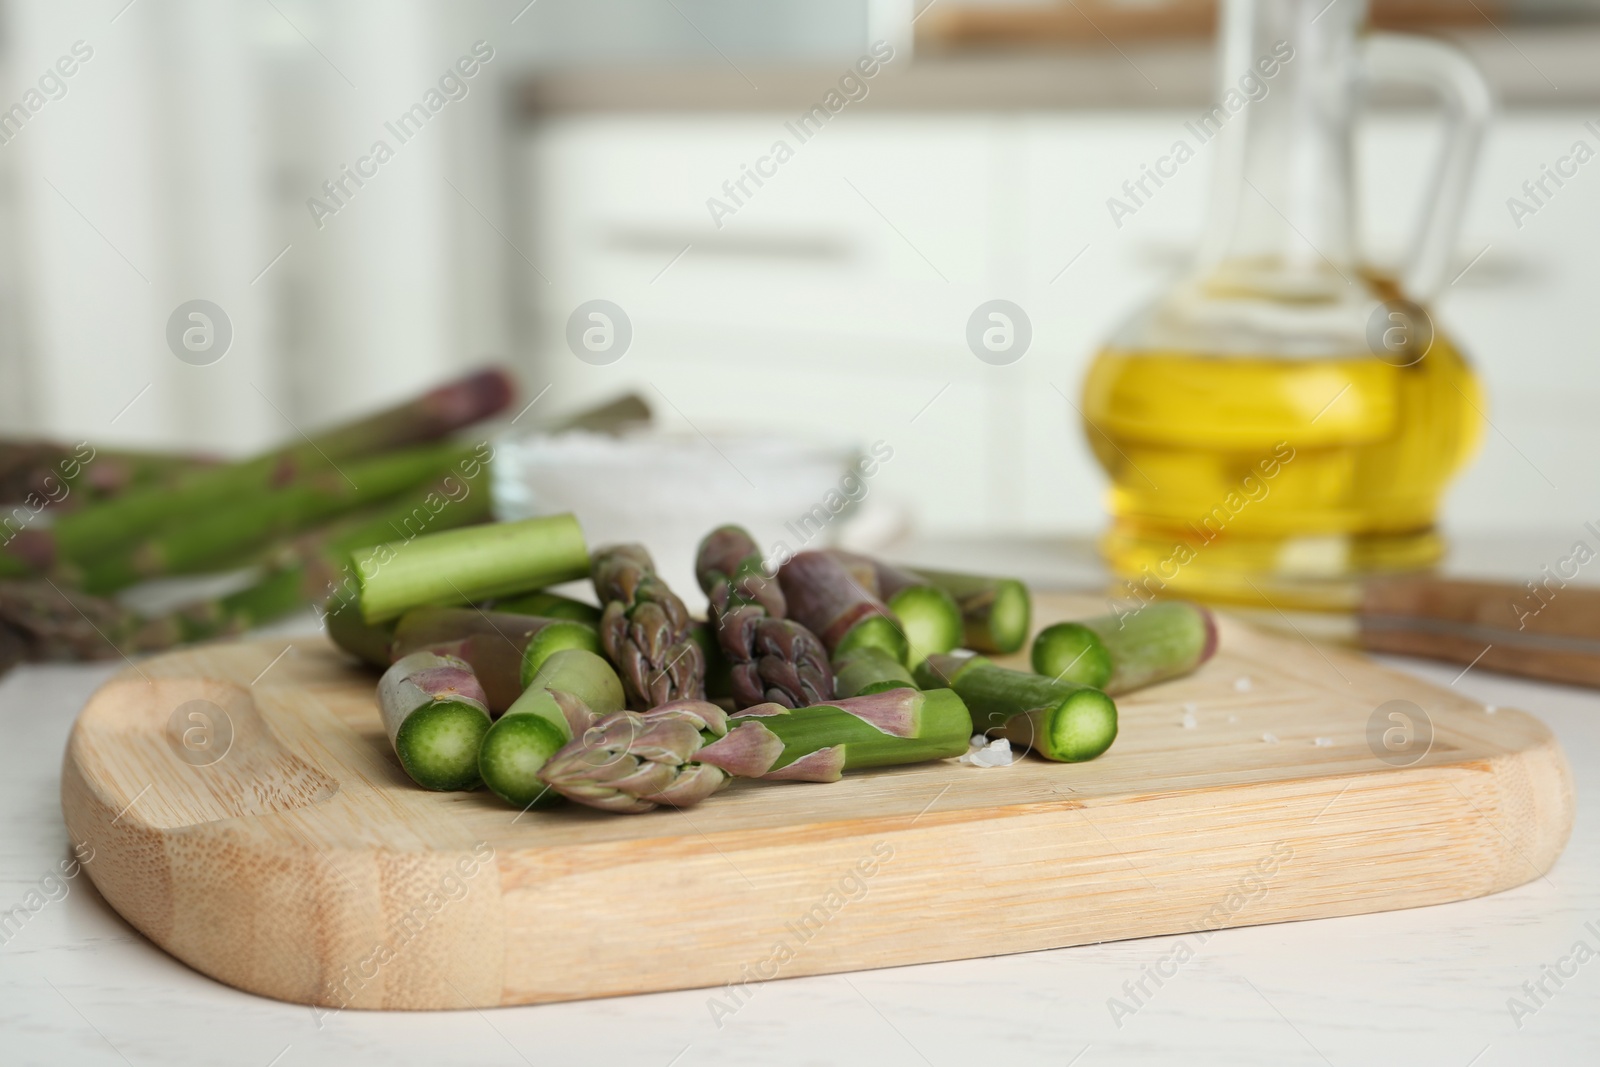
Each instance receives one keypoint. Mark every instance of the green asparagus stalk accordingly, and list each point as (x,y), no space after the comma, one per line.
(929,615)
(47,621)
(40,470)
(996,612)
(84,536)
(548,605)
(435,714)
(229,536)
(825,599)
(463,566)
(571,690)
(1060,720)
(645,630)
(370,643)
(681,753)
(505,651)
(869,670)
(719,670)
(1121,653)
(770,658)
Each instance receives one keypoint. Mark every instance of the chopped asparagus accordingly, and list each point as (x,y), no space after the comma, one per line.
(569,692)
(505,651)
(995,612)
(645,630)
(825,599)
(869,670)
(435,714)
(462,566)
(1121,653)
(681,753)
(1060,720)
(548,605)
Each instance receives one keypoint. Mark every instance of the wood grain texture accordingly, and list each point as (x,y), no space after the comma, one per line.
(303,865)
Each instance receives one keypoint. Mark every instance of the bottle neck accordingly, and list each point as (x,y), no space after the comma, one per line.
(1280,220)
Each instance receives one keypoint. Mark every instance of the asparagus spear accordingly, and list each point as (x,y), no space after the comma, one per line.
(1121,653)
(681,753)
(826,600)
(1060,720)
(996,612)
(462,566)
(869,670)
(227,536)
(41,468)
(929,615)
(645,629)
(770,658)
(504,651)
(563,699)
(435,714)
(84,535)
(548,605)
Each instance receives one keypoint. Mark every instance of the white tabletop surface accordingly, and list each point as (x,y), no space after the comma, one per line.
(1421,987)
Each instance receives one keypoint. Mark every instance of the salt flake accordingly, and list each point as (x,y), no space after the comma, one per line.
(1270,739)
(1243,683)
(996,753)
(1322,742)
(1189,722)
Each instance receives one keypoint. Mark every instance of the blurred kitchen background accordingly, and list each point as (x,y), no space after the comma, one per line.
(177,161)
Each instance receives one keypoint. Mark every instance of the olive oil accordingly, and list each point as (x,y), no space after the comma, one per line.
(1252,478)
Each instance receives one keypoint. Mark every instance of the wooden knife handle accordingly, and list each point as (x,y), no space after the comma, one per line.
(1543,629)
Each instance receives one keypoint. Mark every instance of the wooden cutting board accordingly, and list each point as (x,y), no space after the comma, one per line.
(274,843)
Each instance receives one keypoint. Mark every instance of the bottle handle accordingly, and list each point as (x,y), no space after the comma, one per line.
(1468,105)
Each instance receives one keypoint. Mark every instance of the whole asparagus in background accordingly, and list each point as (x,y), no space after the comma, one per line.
(463,566)
(930,617)
(44,621)
(1059,720)
(826,600)
(40,469)
(645,630)
(770,658)
(996,612)
(435,714)
(504,651)
(571,691)
(83,536)
(228,536)
(681,753)
(1120,653)
(869,670)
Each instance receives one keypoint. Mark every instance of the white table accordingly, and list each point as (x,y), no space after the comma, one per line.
(1429,986)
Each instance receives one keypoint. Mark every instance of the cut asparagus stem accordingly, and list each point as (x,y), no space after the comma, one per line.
(84,535)
(869,670)
(571,690)
(645,630)
(1139,648)
(825,599)
(368,642)
(770,658)
(681,753)
(996,612)
(232,535)
(505,651)
(434,713)
(1071,652)
(461,566)
(1060,720)
(929,616)
(548,605)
